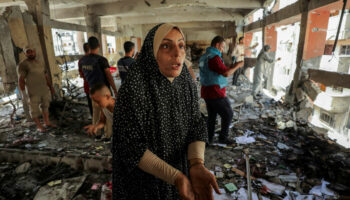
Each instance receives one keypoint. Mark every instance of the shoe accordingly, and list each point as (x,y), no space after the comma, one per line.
(227,141)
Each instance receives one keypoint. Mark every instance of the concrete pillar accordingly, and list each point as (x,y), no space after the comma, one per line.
(19,38)
(103,43)
(93,24)
(263,28)
(7,59)
(80,41)
(31,31)
(229,30)
(290,95)
(14,18)
(270,39)
(347,27)
(41,13)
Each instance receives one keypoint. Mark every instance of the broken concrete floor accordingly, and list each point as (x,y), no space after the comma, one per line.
(288,159)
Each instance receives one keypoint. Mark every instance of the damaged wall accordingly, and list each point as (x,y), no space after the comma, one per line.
(24,31)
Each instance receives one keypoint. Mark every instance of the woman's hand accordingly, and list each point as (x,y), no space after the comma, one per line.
(203,182)
(184,187)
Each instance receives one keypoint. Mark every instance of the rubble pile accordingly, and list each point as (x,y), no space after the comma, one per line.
(69,137)
(287,158)
(24,181)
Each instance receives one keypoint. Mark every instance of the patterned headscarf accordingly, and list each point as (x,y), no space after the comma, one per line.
(152,42)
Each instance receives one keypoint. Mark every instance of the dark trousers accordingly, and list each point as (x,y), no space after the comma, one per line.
(89,103)
(223,108)
(236,75)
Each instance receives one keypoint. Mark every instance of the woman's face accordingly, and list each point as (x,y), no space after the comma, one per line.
(171,54)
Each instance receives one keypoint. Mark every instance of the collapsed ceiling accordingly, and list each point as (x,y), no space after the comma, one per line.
(148,11)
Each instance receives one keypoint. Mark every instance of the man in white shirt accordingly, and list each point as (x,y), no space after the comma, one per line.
(238,56)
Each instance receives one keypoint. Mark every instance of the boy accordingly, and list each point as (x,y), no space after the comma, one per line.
(102,96)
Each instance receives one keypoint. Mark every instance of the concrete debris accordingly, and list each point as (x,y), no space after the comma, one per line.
(290,124)
(23,168)
(292,195)
(42,145)
(57,180)
(219,174)
(64,191)
(281,125)
(289,178)
(79,197)
(249,99)
(272,187)
(282,146)
(287,159)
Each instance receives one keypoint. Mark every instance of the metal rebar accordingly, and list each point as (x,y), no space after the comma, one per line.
(246,151)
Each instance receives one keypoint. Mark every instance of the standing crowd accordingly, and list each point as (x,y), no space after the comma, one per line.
(157,131)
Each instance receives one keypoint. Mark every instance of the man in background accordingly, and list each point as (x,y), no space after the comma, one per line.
(238,56)
(34,81)
(213,73)
(86,85)
(125,63)
(96,71)
(262,60)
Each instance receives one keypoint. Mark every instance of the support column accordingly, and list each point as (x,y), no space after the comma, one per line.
(229,30)
(271,39)
(41,14)
(290,96)
(93,24)
(7,59)
(14,18)
(263,28)
(20,40)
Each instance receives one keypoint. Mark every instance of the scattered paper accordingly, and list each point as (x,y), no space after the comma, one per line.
(322,189)
(231,187)
(53,183)
(245,140)
(282,146)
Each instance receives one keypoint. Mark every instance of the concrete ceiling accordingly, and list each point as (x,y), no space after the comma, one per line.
(148,11)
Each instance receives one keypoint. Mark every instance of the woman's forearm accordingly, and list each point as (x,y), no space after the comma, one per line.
(196,150)
(152,164)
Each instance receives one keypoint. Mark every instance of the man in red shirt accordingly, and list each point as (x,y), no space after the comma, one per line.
(213,73)
(86,85)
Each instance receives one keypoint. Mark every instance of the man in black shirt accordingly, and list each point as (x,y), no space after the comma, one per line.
(96,71)
(125,63)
